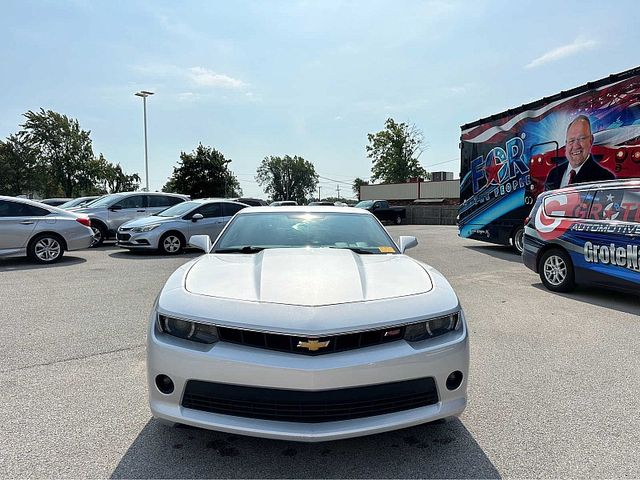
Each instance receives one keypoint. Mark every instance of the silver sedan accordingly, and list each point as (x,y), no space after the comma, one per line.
(169,231)
(40,231)
(306,324)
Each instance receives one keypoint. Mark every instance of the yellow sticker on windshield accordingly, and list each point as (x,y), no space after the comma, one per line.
(386,249)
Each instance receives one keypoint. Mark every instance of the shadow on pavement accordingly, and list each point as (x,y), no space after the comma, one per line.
(438,450)
(25,263)
(602,297)
(497,251)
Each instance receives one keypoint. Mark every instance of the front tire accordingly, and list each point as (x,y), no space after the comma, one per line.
(556,271)
(398,220)
(45,248)
(171,243)
(517,240)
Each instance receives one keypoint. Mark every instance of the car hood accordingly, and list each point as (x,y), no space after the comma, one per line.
(141,222)
(307,276)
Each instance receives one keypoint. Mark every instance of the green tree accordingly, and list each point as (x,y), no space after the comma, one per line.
(203,173)
(287,178)
(357,183)
(63,147)
(20,171)
(111,178)
(395,151)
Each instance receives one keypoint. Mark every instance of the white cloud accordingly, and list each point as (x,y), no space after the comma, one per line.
(578,45)
(208,78)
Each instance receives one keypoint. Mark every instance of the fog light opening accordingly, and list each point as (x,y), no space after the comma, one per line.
(165,384)
(454,380)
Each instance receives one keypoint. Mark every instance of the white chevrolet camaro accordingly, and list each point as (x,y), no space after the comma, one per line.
(306,324)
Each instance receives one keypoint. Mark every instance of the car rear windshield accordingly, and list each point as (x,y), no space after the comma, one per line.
(256,231)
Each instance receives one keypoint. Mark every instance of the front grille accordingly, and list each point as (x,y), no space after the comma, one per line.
(123,236)
(289,343)
(309,407)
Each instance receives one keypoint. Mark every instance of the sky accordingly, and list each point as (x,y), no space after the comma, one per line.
(308,78)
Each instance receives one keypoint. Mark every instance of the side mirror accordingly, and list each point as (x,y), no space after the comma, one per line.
(113,208)
(196,217)
(203,242)
(406,242)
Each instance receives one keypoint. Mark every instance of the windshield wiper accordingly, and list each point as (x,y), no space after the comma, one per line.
(245,249)
(357,250)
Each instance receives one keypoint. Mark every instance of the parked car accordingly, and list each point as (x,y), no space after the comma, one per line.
(40,231)
(252,202)
(586,234)
(77,202)
(306,324)
(54,202)
(111,211)
(170,230)
(382,210)
(284,203)
(322,204)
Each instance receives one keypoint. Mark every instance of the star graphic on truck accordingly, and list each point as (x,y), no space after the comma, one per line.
(492,171)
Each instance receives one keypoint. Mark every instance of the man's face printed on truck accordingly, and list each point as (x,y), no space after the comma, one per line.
(579,141)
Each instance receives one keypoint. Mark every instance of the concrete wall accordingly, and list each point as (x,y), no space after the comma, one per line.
(446,189)
(390,191)
(409,191)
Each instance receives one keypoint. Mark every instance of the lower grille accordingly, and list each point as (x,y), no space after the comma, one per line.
(123,236)
(309,407)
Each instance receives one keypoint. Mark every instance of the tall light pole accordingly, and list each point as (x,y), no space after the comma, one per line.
(144,94)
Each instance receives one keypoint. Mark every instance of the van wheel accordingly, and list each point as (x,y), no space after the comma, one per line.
(517,240)
(398,220)
(556,271)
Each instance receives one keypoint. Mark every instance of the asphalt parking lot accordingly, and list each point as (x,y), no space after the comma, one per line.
(553,385)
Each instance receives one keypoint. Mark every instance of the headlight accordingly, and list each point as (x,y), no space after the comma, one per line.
(197,332)
(432,328)
(146,228)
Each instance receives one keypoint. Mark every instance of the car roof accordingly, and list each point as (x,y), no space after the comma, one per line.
(627,182)
(36,203)
(306,209)
(213,199)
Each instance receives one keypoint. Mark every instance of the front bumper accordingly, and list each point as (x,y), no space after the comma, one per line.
(141,240)
(231,364)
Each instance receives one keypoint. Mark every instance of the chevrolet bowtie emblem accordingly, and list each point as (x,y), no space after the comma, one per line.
(313,345)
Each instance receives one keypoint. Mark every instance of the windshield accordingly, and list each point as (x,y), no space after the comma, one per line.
(364,204)
(256,231)
(77,202)
(179,209)
(106,200)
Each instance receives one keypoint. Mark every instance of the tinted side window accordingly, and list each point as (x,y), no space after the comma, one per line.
(135,201)
(18,209)
(230,209)
(210,210)
(37,211)
(620,204)
(163,201)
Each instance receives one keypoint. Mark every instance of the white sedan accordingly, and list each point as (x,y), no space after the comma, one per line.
(306,324)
